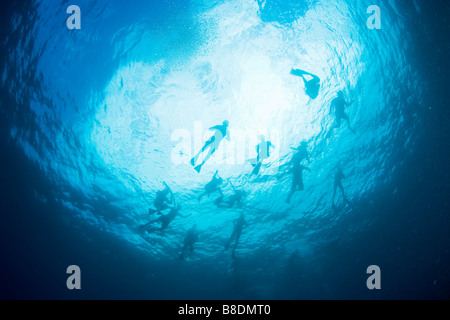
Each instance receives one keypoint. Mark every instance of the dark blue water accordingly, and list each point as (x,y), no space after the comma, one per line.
(94,121)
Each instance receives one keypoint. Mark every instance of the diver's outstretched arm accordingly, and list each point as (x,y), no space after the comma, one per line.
(214,128)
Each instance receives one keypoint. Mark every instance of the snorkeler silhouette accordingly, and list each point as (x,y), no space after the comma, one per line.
(312,86)
(166,219)
(339,175)
(239,223)
(220,132)
(235,198)
(297,170)
(339,105)
(212,186)
(161,201)
(302,152)
(263,151)
(189,240)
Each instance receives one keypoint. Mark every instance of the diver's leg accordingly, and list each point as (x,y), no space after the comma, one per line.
(341,187)
(334,192)
(206,145)
(238,236)
(343,194)
(338,121)
(218,202)
(211,151)
(201,196)
(230,203)
(300,185)
(162,207)
(288,199)
(291,193)
(145,226)
(182,252)
(150,223)
(229,240)
(345,117)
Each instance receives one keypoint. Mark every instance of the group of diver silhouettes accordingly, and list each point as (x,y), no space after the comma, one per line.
(165,198)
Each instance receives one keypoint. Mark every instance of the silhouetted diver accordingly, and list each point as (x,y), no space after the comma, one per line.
(161,201)
(312,86)
(235,198)
(339,175)
(189,240)
(212,186)
(239,224)
(339,105)
(297,170)
(220,132)
(263,152)
(166,219)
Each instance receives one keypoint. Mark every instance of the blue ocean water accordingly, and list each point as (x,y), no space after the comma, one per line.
(96,120)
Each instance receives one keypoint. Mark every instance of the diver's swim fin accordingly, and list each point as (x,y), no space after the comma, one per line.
(198,168)
(257,168)
(298,72)
(152,211)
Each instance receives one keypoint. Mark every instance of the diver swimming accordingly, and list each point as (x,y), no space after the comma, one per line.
(239,224)
(263,152)
(220,132)
(235,198)
(312,85)
(165,219)
(162,202)
(338,177)
(189,240)
(212,186)
(339,104)
(297,170)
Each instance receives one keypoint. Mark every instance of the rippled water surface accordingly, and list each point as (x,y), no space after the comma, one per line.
(108,113)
